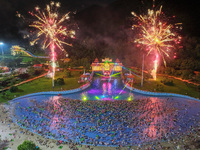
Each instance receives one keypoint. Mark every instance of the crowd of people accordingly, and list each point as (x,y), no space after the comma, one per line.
(110,123)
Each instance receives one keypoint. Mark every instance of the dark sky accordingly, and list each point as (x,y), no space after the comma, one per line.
(188,11)
(8,8)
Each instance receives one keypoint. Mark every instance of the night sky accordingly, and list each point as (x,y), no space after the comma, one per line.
(187,12)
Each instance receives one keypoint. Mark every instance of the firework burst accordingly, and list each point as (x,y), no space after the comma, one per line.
(49,29)
(49,26)
(156,34)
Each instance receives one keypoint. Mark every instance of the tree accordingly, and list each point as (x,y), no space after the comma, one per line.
(187,74)
(24,76)
(59,81)
(28,145)
(31,70)
(69,74)
(13,89)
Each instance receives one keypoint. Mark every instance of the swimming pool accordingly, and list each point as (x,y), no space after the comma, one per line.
(107,114)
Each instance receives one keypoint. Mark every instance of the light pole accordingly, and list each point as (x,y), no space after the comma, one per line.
(1,43)
(142,80)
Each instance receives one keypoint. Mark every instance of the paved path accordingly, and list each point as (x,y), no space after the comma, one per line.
(25,81)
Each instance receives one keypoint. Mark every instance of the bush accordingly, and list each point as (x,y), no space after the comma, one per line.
(4,83)
(59,81)
(24,76)
(187,74)
(69,74)
(37,72)
(178,73)
(13,89)
(13,81)
(169,71)
(198,77)
(167,82)
(147,76)
(159,88)
(28,145)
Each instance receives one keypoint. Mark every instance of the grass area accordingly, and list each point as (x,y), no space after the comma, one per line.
(6,56)
(43,84)
(24,58)
(179,87)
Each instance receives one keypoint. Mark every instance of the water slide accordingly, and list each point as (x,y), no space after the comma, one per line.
(32,55)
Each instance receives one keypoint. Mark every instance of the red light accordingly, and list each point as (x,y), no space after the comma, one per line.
(50,21)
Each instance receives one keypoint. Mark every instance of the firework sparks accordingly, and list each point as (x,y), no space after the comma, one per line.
(156,34)
(50,29)
(50,25)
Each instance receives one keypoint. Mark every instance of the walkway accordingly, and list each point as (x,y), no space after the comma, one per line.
(24,82)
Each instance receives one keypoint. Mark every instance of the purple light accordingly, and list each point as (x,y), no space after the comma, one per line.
(95,91)
(106,98)
(118,91)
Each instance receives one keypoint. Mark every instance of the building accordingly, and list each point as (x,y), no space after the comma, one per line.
(129,78)
(106,66)
(38,66)
(84,77)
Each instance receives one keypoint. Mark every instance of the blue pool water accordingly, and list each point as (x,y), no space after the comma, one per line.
(107,114)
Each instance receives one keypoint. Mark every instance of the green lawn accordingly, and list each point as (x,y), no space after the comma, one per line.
(179,87)
(44,84)
(24,58)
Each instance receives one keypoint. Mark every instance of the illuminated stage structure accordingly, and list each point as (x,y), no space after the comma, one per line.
(107,67)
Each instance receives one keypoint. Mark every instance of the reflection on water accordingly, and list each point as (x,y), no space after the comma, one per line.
(160,119)
(107,89)
(108,122)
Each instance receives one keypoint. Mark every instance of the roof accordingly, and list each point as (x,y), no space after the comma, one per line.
(37,65)
(107,60)
(96,60)
(130,76)
(66,60)
(117,60)
(84,75)
(95,64)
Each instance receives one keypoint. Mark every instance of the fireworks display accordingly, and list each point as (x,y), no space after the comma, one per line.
(50,29)
(156,34)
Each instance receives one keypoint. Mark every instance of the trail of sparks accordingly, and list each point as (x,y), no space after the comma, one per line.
(154,71)
(50,29)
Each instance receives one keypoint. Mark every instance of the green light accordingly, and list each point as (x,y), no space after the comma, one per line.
(97,97)
(84,98)
(116,97)
(98,74)
(130,99)
(115,74)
